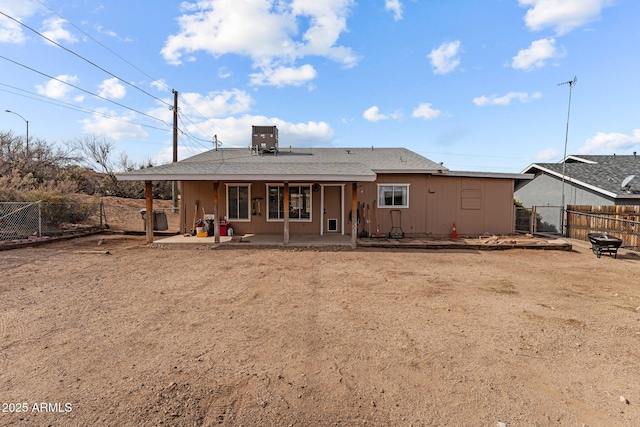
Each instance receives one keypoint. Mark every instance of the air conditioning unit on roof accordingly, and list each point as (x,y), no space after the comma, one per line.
(264,139)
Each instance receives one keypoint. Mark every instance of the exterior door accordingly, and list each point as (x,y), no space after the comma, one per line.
(332,209)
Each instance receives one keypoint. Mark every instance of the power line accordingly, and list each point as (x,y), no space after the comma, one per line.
(181,116)
(201,115)
(140,70)
(69,106)
(190,136)
(83,90)
(104,46)
(111,74)
(85,59)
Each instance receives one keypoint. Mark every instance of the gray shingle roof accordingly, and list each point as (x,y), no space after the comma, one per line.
(603,173)
(294,164)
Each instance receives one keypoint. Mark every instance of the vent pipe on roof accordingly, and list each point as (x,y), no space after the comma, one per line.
(634,154)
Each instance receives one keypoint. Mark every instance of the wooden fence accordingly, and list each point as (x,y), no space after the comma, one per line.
(620,221)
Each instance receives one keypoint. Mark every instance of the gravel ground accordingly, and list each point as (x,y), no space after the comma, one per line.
(184,337)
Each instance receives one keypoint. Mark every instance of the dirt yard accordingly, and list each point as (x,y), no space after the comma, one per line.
(148,337)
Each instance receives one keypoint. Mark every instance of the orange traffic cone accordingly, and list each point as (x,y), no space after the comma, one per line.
(454,232)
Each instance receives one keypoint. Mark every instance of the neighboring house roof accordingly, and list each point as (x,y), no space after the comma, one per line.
(313,164)
(602,174)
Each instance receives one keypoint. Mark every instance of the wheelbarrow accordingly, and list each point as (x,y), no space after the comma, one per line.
(604,244)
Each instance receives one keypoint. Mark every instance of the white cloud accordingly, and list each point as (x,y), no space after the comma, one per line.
(562,15)
(273,33)
(299,135)
(373,114)
(57,89)
(283,76)
(425,111)
(523,97)
(224,73)
(160,85)
(536,55)
(112,89)
(394,6)
(236,131)
(211,106)
(303,134)
(53,28)
(610,142)
(444,59)
(205,112)
(166,154)
(99,28)
(113,126)
(546,155)
(216,104)
(11,31)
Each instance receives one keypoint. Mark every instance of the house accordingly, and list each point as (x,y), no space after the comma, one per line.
(267,189)
(588,180)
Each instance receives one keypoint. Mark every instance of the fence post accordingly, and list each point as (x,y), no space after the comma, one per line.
(39,219)
(532,221)
(101,213)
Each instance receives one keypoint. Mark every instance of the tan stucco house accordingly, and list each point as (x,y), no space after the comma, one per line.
(268,189)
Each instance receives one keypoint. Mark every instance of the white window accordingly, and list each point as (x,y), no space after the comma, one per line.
(393,195)
(299,202)
(238,197)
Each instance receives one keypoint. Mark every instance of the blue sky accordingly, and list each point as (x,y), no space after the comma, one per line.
(471,83)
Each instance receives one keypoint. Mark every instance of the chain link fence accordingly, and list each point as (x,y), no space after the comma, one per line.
(523,220)
(538,219)
(19,220)
(29,220)
(22,221)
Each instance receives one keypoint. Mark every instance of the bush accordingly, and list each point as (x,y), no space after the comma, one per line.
(55,213)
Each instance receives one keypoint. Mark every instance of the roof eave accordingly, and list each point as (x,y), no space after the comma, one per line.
(627,196)
(246,178)
(425,171)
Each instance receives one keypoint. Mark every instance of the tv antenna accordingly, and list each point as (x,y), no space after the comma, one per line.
(571,84)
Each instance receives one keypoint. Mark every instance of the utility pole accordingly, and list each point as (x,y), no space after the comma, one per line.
(174,184)
(571,84)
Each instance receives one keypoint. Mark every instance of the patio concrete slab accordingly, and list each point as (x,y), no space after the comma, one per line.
(264,240)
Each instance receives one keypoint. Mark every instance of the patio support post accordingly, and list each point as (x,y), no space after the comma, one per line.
(285,208)
(216,222)
(354,212)
(148,195)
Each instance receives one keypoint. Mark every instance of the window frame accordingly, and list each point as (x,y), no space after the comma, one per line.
(393,206)
(239,184)
(281,186)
